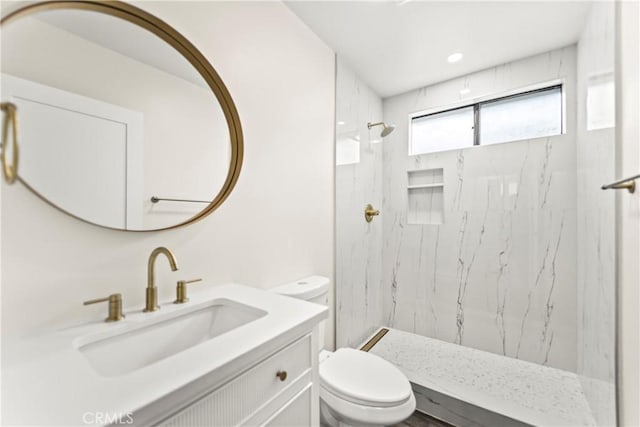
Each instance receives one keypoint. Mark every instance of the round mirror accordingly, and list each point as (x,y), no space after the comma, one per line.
(122,122)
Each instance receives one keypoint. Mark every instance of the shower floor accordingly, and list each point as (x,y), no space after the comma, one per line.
(469,387)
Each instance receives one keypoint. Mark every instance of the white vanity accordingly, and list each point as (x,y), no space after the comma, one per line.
(232,355)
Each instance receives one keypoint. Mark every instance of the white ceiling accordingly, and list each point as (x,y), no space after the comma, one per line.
(125,38)
(396,46)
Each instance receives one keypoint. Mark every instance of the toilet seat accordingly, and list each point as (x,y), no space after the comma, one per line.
(363,379)
(348,413)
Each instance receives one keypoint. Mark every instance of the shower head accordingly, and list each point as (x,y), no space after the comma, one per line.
(386,129)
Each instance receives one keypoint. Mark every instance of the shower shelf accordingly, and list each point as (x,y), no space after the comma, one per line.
(425,196)
(414,187)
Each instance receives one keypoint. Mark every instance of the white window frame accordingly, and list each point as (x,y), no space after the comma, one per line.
(486,98)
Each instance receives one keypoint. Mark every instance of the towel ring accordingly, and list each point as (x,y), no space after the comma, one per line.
(10,171)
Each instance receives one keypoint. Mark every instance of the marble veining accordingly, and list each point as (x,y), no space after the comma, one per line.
(459,172)
(523,262)
(544,176)
(549,306)
(358,183)
(461,282)
(394,280)
(520,390)
(500,273)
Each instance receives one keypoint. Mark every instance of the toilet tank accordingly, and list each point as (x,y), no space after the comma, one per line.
(313,289)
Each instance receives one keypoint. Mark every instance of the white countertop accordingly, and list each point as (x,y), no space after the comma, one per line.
(525,391)
(47,381)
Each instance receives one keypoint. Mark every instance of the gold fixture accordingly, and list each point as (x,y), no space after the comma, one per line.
(282,375)
(386,129)
(374,340)
(10,171)
(115,307)
(181,290)
(628,184)
(164,31)
(155,199)
(152,291)
(369,213)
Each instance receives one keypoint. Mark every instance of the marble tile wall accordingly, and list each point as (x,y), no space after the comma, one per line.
(358,183)
(499,274)
(595,156)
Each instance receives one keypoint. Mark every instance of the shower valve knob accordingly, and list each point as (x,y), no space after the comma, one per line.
(370,212)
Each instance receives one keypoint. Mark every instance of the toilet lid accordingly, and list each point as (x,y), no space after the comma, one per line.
(362,377)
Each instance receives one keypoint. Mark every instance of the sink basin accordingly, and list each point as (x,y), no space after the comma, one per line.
(141,345)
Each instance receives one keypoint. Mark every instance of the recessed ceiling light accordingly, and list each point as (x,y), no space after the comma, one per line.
(454,57)
(340,123)
(465,91)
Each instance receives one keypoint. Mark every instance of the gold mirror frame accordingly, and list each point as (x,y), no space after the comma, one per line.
(167,33)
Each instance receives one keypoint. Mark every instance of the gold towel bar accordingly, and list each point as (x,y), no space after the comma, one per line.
(155,199)
(628,184)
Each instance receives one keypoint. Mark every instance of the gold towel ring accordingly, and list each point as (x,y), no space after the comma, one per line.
(10,171)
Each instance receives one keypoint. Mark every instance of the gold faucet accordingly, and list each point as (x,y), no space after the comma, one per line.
(115,307)
(152,290)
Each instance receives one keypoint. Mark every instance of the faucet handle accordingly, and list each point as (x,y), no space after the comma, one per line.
(115,307)
(181,290)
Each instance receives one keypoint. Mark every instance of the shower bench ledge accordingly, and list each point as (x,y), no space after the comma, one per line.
(468,387)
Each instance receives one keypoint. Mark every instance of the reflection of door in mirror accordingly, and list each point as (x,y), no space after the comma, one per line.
(99,142)
(118,70)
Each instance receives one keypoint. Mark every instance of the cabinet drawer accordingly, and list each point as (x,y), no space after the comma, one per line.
(240,398)
(295,413)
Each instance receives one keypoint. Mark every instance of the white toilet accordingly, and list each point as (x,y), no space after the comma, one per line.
(356,388)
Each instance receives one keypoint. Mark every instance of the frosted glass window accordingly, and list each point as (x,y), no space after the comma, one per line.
(532,115)
(448,130)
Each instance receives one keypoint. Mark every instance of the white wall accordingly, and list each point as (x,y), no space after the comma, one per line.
(499,273)
(595,162)
(186,141)
(358,243)
(276,226)
(628,213)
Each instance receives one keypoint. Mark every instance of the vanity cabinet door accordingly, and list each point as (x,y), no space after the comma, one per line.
(253,396)
(296,413)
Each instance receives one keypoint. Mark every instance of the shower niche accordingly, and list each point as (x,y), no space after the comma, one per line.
(425,196)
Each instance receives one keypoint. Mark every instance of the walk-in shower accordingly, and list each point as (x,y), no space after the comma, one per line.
(492,262)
